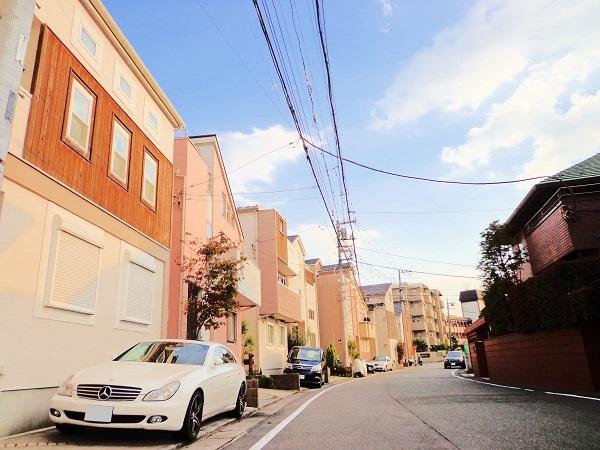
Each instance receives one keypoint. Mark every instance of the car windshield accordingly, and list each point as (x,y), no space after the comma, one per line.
(379,358)
(305,354)
(454,354)
(166,353)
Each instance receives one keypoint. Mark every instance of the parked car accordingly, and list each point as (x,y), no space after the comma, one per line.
(380,363)
(155,385)
(455,358)
(309,364)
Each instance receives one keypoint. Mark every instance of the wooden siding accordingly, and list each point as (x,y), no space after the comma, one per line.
(46,149)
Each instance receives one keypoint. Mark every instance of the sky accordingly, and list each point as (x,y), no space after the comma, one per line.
(458,90)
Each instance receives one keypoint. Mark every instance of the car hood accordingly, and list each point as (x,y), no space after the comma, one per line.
(138,374)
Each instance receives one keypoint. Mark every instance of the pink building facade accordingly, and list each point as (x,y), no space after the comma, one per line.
(203,206)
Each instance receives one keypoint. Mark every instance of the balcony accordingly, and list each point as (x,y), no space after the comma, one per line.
(366,330)
(418,325)
(249,293)
(288,304)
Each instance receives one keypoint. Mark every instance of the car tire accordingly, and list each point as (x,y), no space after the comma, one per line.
(193,418)
(240,403)
(67,428)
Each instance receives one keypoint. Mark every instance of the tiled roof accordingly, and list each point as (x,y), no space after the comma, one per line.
(311,261)
(585,169)
(293,237)
(331,267)
(376,289)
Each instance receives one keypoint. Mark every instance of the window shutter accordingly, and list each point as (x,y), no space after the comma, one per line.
(75,282)
(140,288)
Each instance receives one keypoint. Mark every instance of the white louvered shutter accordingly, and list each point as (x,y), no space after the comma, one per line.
(75,283)
(140,290)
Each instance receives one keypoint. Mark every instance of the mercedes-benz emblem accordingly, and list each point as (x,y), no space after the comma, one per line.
(104,393)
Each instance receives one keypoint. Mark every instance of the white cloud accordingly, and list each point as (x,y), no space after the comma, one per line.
(239,148)
(493,45)
(386,7)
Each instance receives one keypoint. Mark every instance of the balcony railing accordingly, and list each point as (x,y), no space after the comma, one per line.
(249,286)
(288,303)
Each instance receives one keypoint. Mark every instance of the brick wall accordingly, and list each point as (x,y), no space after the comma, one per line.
(548,360)
(549,242)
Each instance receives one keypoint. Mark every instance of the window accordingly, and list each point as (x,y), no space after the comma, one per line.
(119,155)
(228,357)
(311,314)
(152,121)
(125,87)
(88,42)
(281,279)
(166,353)
(270,334)
(223,205)
(149,181)
(209,230)
(75,279)
(282,336)
(281,227)
(232,327)
(140,289)
(80,117)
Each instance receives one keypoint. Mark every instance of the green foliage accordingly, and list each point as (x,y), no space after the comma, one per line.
(453,343)
(352,349)
(212,280)
(244,327)
(421,345)
(441,347)
(331,357)
(400,351)
(265,382)
(249,344)
(296,337)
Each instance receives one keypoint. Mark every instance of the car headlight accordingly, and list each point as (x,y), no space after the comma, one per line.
(164,393)
(66,388)
(315,369)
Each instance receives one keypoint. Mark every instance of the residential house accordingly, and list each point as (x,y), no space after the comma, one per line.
(558,218)
(472,303)
(456,328)
(429,322)
(380,301)
(343,312)
(305,284)
(203,207)
(266,245)
(404,321)
(85,230)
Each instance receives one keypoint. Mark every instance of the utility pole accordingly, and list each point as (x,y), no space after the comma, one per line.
(405,310)
(16,17)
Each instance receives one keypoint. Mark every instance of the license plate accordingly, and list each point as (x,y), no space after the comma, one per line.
(302,377)
(98,413)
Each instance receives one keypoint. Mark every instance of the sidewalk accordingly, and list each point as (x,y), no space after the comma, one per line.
(214,433)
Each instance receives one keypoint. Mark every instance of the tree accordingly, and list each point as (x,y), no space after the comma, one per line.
(296,337)
(352,350)
(248,340)
(400,351)
(212,278)
(501,259)
(331,357)
(421,345)
(453,343)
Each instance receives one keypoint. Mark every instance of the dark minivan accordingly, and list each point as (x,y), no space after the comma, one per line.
(309,363)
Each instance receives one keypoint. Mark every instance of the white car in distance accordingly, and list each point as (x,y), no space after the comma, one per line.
(380,363)
(167,384)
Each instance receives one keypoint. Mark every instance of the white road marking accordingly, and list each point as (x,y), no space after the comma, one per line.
(275,431)
(573,395)
(524,389)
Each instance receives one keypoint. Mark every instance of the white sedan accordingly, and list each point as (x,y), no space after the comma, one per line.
(156,385)
(383,363)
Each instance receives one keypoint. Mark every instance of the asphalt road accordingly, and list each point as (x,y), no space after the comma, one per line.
(428,408)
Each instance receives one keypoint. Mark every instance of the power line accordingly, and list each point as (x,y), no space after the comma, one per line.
(431,180)
(257,192)
(415,259)
(409,271)
(446,211)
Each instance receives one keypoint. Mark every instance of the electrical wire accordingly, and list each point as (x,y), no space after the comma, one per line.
(414,258)
(409,271)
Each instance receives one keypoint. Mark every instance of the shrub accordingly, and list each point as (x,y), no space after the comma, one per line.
(265,382)
(352,350)
(400,351)
(421,345)
(331,357)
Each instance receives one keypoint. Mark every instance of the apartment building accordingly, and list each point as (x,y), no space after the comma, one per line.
(382,313)
(203,207)
(86,222)
(456,328)
(403,321)
(343,312)
(429,321)
(472,303)
(305,284)
(266,245)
